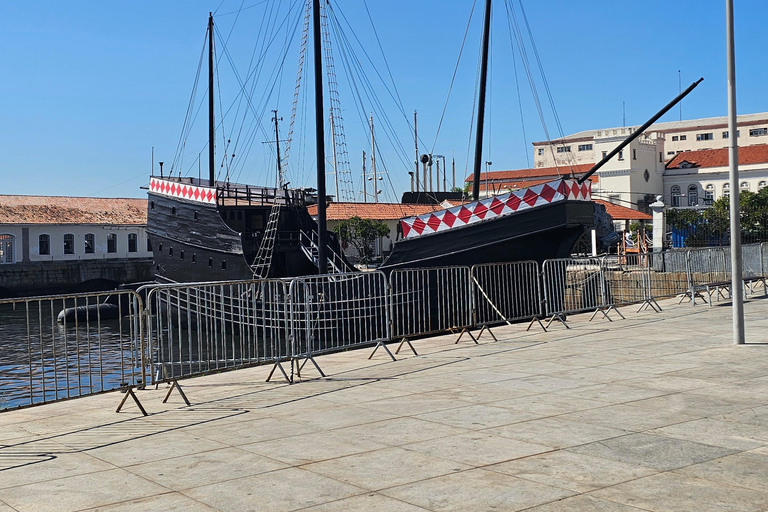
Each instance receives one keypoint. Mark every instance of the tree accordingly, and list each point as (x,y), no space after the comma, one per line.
(361,234)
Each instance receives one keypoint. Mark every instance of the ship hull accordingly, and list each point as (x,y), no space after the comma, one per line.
(538,234)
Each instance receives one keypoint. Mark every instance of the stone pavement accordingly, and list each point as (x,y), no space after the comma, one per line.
(658,412)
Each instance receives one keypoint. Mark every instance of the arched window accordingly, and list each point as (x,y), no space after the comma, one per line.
(6,249)
(744,185)
(675,195)
(69,243)
(112,242)
(44,245)
(693,195)
(90,243)
(133,245)
(726,190)
(761,185)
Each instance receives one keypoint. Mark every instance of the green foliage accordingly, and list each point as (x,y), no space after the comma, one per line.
(361,234)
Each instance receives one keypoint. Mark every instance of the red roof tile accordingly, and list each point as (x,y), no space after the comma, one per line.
(501,188)
(622,212)
(542,172)
(72,210)
(376,211)
(756,154)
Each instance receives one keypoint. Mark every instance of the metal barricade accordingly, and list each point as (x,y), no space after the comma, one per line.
(626,279)
(338,311)
(64,346)
(667,275)
(752,259)
(430,300)
(572,286)
(506,292)
(198,328)
(709,271)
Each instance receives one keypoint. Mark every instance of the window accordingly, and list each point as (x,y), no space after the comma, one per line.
(756,132)
(744,185)
(173,210)
(69,244)
(693,195)
(705,136)
(683,137)
(541,151)
(44,244)
(585,147)
(675,138)
(133,242)
(726,190)
(661,156)
(112,242)
(670,153)
(605,153)
(195,215)
(738,134)
(564,149)
(621,155)
(709,194)
(170,251)
(6,249)
(149,245)
(761,185)
(194,257)
(181,255)
(160,248)
(210,262)
(223,264)
(634,154)
(675,193)
(151,205)
(90,243)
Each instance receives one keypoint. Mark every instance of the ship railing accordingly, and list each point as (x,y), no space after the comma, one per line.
(235,195)
(64,346)
(429,301)
(506,293)
(199,328)
(338,312)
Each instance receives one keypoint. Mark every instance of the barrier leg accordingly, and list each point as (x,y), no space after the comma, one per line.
(461,334)
(282,370)
(300,367)
(536,319)
(175,384)
(486,328)
(129,392)
(384,346)
(405,340)
(559,318)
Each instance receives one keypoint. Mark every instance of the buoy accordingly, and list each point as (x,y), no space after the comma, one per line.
(94,311)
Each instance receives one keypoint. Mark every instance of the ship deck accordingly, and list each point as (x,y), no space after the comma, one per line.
(607,415)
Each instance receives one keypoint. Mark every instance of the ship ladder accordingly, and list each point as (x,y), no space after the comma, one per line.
(263,260)
(309,245)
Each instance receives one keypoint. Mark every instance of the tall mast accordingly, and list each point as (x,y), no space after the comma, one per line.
(416,144)
(322,229)
(277,148)
(211,130)
(481,102)
(373,166)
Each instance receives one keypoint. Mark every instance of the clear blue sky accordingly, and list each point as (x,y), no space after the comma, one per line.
(88,88)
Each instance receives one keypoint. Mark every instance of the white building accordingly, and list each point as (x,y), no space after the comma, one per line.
(60,229)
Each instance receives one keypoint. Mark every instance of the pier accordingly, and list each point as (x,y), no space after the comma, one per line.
(656,412)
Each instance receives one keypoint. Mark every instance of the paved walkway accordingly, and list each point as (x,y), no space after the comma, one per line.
(658,412)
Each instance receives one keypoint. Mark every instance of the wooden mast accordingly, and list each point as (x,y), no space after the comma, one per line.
(481,102)
(211,129)
(322,229)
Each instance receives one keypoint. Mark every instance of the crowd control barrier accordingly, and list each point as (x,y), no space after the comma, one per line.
(506,292)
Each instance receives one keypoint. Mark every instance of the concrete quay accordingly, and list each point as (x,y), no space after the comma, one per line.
(658,412)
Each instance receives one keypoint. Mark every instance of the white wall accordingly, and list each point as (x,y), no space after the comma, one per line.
(57,232)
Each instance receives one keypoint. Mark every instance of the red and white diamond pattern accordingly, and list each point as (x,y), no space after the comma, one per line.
(497,206)
(183,191)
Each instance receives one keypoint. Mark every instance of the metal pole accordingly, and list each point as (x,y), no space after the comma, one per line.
(211,124)
(481,103)
(322,225)
(365,192)
(737,285)
(416,143)
(373,166)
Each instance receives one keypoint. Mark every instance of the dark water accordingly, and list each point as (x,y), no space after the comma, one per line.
(43,360)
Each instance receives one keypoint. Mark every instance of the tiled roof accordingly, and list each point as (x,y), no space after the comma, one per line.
(622,212)
(511,185)
(72,210)
(375,211)
(756,154)
(541,172)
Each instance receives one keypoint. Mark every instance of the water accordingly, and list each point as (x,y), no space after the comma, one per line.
(42,360)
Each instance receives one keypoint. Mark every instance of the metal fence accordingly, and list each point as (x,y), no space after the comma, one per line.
(194,329)
(430,300)
(338,311)
(114,340)
(506,292)
(63,346)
